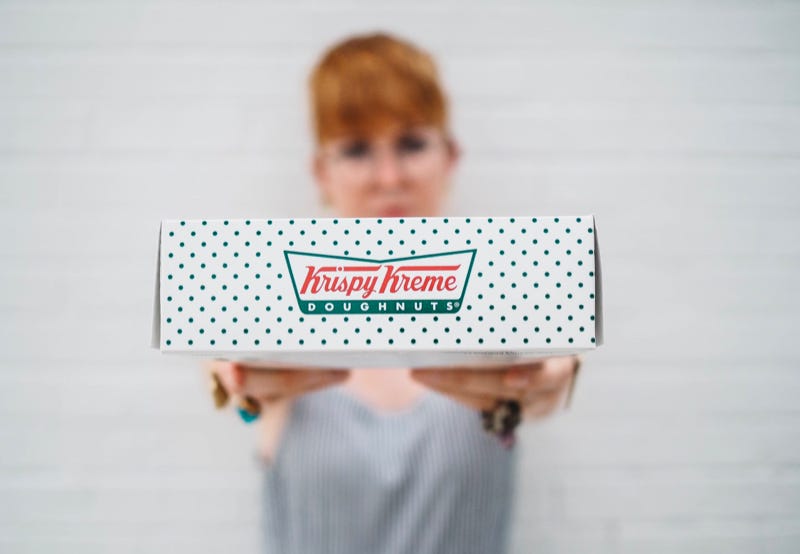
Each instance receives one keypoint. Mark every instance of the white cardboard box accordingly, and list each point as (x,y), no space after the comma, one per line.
(392,292)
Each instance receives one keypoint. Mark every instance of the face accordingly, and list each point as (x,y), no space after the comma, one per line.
(403,172)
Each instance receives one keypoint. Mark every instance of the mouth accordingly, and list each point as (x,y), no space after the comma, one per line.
(393,211)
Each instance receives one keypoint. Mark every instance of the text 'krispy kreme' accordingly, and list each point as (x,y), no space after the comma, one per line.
(428,280)
(356,279)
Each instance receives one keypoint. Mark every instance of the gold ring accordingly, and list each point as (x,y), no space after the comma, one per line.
(218,392)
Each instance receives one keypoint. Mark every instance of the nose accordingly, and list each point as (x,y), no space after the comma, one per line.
(388,170)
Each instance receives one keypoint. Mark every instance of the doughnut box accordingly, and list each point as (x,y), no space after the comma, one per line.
(369,292)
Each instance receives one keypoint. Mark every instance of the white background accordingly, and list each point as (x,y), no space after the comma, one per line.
(676,123)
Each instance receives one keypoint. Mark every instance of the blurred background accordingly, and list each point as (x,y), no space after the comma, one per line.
(676,123)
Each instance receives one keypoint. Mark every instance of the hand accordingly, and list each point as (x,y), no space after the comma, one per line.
(271,384)
(540,386)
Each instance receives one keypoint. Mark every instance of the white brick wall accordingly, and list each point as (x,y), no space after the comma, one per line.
(676,123)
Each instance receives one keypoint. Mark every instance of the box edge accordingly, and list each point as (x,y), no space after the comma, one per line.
(155,337)
(598,286)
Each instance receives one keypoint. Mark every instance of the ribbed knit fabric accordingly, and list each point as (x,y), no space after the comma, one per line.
(348,479)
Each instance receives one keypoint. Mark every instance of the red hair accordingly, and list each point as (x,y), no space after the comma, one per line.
(367,83)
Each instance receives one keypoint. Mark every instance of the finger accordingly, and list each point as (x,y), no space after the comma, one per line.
(549,374)
(272,395)
(318,385)
(229,375)
(273,383)
(541,410)
(493,382)
(463,381)
(542,405)
(538,397)
(477,401)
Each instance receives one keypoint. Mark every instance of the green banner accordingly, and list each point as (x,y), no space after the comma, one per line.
(380,307)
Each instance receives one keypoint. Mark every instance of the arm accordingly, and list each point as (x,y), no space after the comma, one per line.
(540,386)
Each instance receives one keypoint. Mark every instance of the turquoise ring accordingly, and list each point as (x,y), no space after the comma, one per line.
(246,416)
(249,409)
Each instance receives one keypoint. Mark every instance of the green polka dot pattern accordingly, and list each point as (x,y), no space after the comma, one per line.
(230,285)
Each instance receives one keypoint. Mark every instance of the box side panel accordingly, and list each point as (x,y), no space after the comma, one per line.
(598,285)
(155,339)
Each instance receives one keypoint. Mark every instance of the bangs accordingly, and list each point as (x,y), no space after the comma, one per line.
(363,92)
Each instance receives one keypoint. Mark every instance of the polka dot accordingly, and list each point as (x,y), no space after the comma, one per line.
(523,276)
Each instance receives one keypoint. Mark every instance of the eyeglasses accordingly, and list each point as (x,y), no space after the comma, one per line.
(411,152)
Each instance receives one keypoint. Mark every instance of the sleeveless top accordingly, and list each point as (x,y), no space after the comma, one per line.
(347,479)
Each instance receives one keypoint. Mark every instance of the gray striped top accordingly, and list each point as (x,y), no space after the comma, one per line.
(349,479)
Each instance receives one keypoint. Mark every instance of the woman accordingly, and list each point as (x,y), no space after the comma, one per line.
(387,460)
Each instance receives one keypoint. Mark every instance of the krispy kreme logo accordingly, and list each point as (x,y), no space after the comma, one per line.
(433,283)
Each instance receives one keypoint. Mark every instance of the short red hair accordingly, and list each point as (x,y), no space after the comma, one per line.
(366,83)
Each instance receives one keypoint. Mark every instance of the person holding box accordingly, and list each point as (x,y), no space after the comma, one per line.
(388,460)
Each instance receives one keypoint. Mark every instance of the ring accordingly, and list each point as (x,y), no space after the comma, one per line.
(218,392)
(502,420)
(249,409)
